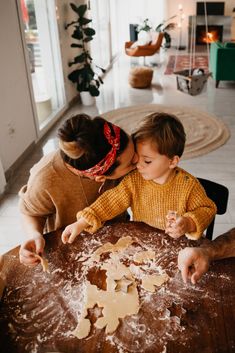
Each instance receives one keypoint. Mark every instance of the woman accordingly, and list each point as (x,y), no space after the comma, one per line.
(93,153)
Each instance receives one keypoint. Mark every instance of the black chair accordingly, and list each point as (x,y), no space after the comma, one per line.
(219,194)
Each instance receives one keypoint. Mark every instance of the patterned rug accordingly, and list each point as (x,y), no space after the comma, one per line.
(183,62)
(204,132)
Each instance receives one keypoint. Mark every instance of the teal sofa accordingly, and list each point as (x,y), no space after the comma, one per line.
(222,62)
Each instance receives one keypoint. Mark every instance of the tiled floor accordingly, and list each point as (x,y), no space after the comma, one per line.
(218,165)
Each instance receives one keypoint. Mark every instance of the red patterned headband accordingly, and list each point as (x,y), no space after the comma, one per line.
(101,167)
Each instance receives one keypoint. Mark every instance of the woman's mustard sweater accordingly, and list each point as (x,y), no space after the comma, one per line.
(150,202)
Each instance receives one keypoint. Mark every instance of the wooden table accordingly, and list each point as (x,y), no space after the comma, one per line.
(39,310)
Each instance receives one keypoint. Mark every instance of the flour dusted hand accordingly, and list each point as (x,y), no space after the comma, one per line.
(179,227)
(73,230)
(193,263)
(30,249)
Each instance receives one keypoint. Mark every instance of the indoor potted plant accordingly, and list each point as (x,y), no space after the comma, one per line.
(85,77)
(165,27)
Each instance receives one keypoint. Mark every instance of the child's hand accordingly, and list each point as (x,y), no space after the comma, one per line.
(73,230)
(181,226)
(29,249)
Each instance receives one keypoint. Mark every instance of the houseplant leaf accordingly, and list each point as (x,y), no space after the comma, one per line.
(78,59)
(73,76)
(84,21)
(75,45)
(77,34)
(94,91)
(80,10)
(88,39)
(89,31)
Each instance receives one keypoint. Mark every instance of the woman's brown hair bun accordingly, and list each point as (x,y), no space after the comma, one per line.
(74,135)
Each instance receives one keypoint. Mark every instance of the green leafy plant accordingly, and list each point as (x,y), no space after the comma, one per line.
(84,76)
(145,26)
(165,27)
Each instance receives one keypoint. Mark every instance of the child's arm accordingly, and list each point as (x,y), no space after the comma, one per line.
(200,209)
(110,204)
(73,230)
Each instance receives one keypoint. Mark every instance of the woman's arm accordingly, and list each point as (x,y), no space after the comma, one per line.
(32,225)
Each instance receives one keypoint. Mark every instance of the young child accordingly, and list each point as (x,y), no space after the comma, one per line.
(155,188)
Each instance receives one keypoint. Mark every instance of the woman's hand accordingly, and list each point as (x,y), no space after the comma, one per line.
(73,230)
(30,248)
(179,227)
(193,263)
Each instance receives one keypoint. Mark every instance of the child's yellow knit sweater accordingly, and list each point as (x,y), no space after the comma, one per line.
(150,202)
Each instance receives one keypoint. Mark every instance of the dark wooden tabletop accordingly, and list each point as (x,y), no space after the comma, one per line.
(39,310)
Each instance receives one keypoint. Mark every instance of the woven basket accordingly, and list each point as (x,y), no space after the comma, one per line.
(140,77)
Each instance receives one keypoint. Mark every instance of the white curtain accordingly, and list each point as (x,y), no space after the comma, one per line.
(101,45)
(125,12)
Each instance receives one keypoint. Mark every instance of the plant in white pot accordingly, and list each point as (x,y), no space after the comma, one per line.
(85,77)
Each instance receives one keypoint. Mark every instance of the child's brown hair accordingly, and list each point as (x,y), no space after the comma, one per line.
(165,131)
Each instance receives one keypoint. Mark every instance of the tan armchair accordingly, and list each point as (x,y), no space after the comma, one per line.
(145,50)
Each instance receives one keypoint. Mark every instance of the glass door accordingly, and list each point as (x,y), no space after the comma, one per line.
(44,58)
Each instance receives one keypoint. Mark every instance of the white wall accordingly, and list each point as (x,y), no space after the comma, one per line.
(17,129)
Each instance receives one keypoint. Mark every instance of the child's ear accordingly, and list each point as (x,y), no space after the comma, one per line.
(174,161)
(100,178)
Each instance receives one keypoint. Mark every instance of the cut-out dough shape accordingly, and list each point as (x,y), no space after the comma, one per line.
(116,305)
(121,244)
(144,256)
(44,263)
(150,281)
(123,284)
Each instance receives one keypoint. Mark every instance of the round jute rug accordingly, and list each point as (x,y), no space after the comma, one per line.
(204,132)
